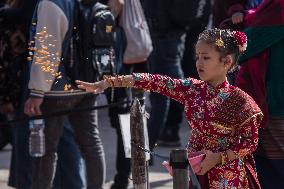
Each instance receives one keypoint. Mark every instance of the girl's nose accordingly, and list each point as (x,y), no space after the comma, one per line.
(198,62)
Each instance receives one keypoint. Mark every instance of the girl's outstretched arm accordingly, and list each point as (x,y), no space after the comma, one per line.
(108,81)
(176,89)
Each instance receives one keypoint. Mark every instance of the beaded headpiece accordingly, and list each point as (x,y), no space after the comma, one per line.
(239,37)
(219,42)
(241,40)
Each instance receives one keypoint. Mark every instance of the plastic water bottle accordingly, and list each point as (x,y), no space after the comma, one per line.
(37,138)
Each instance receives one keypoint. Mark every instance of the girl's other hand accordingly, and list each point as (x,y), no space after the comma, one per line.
(237,17)
(97,87)
(210,161)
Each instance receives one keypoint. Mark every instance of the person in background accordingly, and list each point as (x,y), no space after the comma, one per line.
(231,13)
(16,19)
(170,134)
(70,170)
(14,25)
(50,93)
(123,164)
(168,46)
(223,118)
(6,58)
(261,76)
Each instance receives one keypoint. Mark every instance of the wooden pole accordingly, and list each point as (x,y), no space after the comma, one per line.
(179,163)
(138,161)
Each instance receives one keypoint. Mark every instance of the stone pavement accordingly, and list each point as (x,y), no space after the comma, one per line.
(158,177)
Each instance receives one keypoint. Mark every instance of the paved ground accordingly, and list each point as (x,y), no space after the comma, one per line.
(158,177)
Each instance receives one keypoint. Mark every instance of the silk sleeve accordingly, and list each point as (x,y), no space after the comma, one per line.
(177,89)
(248,136)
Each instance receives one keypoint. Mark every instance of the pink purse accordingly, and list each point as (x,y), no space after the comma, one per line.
(195,160)
(169,168)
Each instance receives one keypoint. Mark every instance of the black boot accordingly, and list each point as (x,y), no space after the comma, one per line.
(120,182)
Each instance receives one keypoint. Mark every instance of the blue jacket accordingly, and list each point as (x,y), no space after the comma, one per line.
(51,33)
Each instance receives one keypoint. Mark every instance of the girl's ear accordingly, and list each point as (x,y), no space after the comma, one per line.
(228,61)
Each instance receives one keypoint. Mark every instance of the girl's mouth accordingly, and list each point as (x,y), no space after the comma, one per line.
(200,70)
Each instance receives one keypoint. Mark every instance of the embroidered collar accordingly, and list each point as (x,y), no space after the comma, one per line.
(224,84)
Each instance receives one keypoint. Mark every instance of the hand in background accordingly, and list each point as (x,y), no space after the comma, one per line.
(7,108)
(238,18)
(32,106)
(115,6)
(97,87)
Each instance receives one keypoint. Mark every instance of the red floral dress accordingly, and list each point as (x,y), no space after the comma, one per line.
(221,118)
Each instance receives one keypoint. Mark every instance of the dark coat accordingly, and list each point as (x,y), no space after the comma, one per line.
(223,10)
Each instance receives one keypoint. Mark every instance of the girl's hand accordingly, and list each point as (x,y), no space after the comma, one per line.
(210,161)
(97,87)
(237,17)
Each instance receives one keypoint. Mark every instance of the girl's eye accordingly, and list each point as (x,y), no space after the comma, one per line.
(206,58)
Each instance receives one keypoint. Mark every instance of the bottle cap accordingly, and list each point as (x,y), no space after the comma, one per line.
(38,121)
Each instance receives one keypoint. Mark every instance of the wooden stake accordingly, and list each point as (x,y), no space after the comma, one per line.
(138,163)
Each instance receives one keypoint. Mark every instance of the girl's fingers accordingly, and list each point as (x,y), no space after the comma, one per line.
(97,91)
(199,172)
(90,87)
(79,82)
(87,86)
(205,151)
(83,83)
(81,87)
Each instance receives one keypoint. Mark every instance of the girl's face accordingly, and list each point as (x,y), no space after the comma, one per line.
(210,66)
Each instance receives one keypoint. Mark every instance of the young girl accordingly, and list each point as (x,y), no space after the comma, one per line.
(224,119)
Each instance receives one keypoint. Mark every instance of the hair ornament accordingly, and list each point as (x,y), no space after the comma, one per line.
(219,42)
(241,40)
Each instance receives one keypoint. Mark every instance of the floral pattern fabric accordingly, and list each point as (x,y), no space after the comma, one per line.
(221,118)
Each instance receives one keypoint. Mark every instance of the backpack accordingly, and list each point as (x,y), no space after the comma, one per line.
(91,48)
(186,13)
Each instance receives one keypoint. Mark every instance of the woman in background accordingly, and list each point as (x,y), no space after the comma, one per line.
(261,76)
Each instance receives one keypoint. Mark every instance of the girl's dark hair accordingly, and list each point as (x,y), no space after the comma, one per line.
(223,41)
